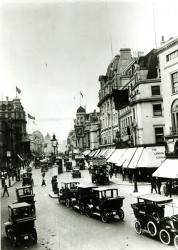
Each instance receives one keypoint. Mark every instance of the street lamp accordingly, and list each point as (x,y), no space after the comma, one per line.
(54,144)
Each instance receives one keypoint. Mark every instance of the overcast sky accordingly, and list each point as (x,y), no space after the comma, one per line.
(52,50)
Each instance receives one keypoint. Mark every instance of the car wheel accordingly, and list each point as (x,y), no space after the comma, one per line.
(67,203)
(164,236)
(152,229)
(121,214)
(82,209)
(176,242)
(104,217)
(35,238)
(88,212)
(138,227)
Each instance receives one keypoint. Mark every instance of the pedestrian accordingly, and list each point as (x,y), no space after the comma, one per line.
(158,184)
(169,186)
(153,185)
(115,172)
(43,182)
(123,175)
(3,181)
(5,190)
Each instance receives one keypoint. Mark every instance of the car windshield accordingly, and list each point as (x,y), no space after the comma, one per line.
(22,212)
(109,193)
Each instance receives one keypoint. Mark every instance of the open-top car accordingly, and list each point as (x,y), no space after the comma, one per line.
(27,179)
(82,197)
(25,194)
(152,212)
(21,223)
(66,192)
(105,203)
(76,172)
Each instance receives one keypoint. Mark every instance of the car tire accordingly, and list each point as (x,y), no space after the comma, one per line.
(68,203)
(165,237)
(82,209)
(176,242)
(104,217)
(88,211)
(35,237)
(152,229)
(121,214)
(138,227)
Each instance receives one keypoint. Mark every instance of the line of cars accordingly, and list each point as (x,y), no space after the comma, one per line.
(21,216)
(149,210)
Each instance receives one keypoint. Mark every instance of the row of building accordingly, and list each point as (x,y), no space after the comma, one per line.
(138,103)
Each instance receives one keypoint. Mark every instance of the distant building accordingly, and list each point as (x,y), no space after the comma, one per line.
(14,142)
(37,143)
(48,149)
(168,60)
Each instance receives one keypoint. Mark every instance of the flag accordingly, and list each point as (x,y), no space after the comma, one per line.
(18,90)
(81,94)
(31,117)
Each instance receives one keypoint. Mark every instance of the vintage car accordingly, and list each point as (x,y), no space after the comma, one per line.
(44,167)
(150,217)
(27,179)
(59,163)
(68,166)
(21,223)
(76,172)
(105,203)
(25,194)
(66,192)
(82,197)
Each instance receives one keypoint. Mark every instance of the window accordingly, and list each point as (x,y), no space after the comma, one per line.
(155,90)
(172,55)
(174,78)
(159,135)
(157,110)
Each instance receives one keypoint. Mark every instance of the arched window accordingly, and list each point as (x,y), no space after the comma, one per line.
(174,114)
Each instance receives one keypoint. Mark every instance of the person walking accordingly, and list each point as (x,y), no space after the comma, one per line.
(158,184)
(153,185)
(5,190)
(43,182)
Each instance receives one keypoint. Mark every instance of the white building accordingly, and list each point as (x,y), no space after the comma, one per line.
(168,59)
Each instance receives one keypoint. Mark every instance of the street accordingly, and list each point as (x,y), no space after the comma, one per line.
(59,227)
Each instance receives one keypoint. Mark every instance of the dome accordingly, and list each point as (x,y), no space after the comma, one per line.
(81,110)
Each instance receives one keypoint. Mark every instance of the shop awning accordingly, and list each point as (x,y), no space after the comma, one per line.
(152,157)
(96,153)
(92,153)
(168,169)
(136,157)
(116,155)
(86,152)
(128,156)
(122,158)
(109,153)
(102,152)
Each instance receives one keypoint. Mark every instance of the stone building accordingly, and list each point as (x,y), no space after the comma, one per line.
(37,143)
(14,142)
(48,149)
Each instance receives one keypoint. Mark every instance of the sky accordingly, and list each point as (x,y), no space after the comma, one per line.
(53,50)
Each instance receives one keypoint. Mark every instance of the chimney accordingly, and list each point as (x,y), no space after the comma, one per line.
(162,40)
(125,54)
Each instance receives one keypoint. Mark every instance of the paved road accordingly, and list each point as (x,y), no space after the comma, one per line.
(61,228)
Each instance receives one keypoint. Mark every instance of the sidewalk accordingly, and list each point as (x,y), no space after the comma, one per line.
(13,182)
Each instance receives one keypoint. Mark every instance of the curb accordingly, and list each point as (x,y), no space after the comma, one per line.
(52,195)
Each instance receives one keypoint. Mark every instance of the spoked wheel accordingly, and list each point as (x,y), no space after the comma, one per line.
(121,214)
(82,209)
(176,241)
(164,236)
(35,238)
(88,212)
(68,203)
(104,217)
(152,229)
(138,227)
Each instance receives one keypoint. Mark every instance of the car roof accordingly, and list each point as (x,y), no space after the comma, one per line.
(68,182)
(99,189)
(19,205)
(87,186)
(24,187)
(157,198)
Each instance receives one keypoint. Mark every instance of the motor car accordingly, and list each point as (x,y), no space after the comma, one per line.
(105,203)
(21,223)
(154,215)
(80,162)
(66,192)
(59,163)
(82,197)
(44,167)
(25,194)
(68,165)
(76,172)
(27,179)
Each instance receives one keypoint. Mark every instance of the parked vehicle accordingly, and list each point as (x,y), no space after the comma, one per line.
(82,197)
(150,217)
(21,223)
(25,194)
(80,161)
(68,165)
(76,172)
(67,191)
(105,203)
(27,179)
(100,172)
(44,167)
(59,163)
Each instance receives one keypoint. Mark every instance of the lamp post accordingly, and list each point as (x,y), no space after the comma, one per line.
(54,145)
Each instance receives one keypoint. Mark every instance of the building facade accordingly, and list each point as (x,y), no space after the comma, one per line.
(37,143)
(168,61)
